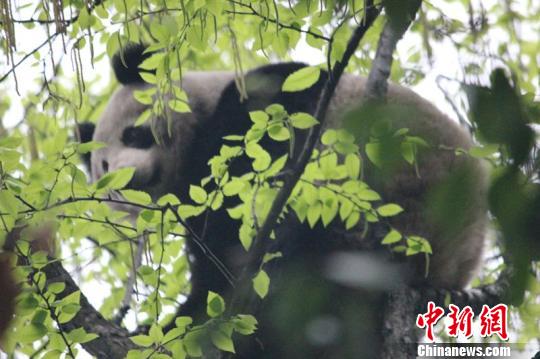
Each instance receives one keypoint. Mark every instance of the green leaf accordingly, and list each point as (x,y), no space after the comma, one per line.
(80,336)
(345,209)
(261,283)
(142,340)
(8,202)
(143,117)
(389,210)
(245,324)
(246,234)
(89,146)
(233,187)
(39,316)
(186,211)
(408,151)
(314,213)
(197,194)
(222,340)
(215,6)
(72,298)
(301,79)
(260,118)
(278,132)
(483,152)
(352,220)
(368,195)
(215,304)
(172,334)
(156,333)
(352,164)
(261,161)
(179,106)
(137,197)
(392,237)
(270,256)
(192,344)
(53,354)
(329,137)
(233,138)
(144,97)
(303,120)
(117,179)
(31,332)
(182,322)
(328,213)
(57,287)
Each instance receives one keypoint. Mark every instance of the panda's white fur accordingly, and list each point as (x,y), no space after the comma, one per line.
(123,110)
(455,258)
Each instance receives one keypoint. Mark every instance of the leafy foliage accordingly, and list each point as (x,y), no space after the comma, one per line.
(59,217)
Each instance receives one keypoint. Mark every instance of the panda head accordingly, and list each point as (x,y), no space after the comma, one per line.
(157,165)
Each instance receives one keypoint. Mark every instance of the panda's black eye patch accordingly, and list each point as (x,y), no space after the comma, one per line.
(138,137)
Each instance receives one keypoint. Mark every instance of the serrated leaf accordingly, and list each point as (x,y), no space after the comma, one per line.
(245,324)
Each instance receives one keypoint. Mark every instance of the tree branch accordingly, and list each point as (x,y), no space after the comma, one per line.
(113,341)
(49,38)
(260,243)
(281,25)
(395,27)
(402,305)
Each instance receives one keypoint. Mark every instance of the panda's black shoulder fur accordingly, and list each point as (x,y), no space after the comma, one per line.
(263,88)
(125,63)
(231,117)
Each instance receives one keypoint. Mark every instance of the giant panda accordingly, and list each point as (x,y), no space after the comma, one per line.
(218,110)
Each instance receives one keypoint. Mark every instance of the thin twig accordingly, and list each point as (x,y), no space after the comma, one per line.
(279,24)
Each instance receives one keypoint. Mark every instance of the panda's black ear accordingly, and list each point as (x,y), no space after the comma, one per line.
(126,63)
(85,132)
